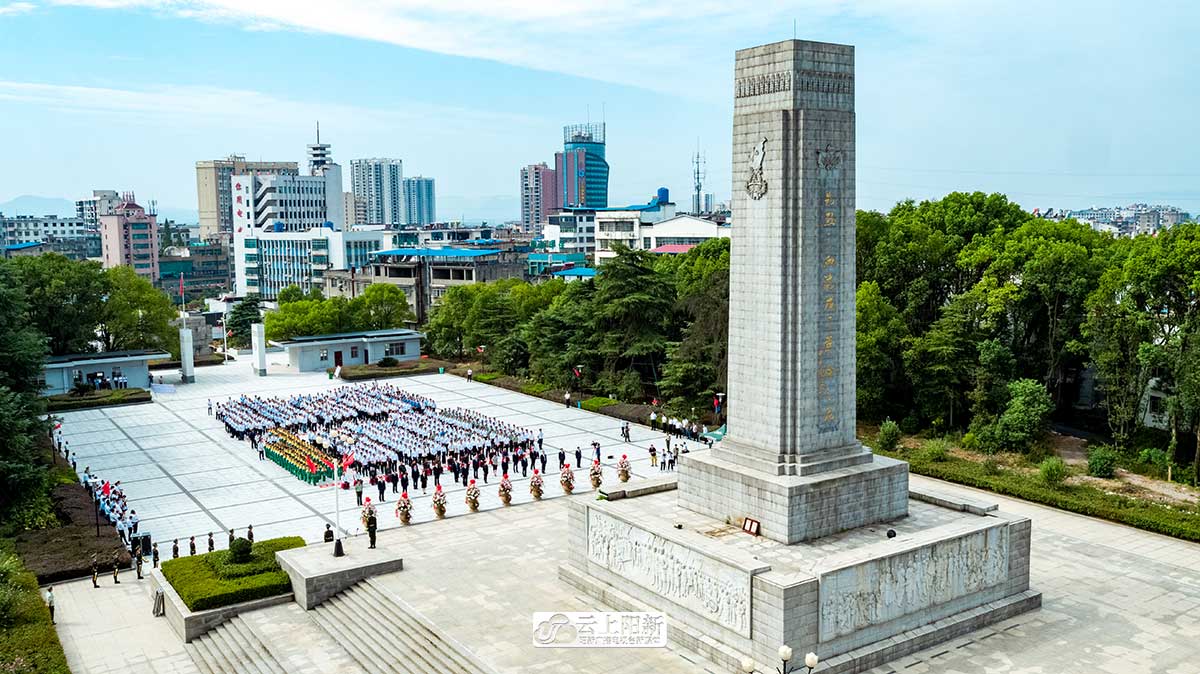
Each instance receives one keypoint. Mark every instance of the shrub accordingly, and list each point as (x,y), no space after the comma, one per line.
(28,642)
(1053,471)
(991,467)
(387,361)
(239,551)
(910,424)
(486,377)
(595,404)
(889,436)
(535,388)
(970,441)
(1024,419)
(1158,458)
(1102,461)
(201,586)
(937,449)
(81,389)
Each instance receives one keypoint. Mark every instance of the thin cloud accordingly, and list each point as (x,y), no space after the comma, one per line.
(15,8)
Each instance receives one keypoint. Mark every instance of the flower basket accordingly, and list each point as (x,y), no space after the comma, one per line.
(505,490)
(535,485)
(567,480)
(623,468)
(596,473)
(439,502)
(404,508)
(473,497)
(345,485)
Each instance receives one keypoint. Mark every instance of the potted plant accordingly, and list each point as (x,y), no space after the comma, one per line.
(535,485)
(623,468)
(596,473)
(567,479)
(473,497)
(439,502)
(404,508)
(505,490)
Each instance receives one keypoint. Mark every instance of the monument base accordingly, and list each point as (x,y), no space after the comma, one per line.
(858,599)
(794,508)
(189,378)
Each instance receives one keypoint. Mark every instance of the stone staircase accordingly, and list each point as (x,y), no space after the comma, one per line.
(384,634)
(232,648)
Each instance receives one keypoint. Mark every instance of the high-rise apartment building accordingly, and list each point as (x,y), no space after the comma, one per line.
(420,204)
(129,236)
(539,196)
(102,202)
(356,210)
(581,168)
(290,230)
(379,184)
(212,188)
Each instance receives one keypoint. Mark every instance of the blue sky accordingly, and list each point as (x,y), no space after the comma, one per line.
(1068,103)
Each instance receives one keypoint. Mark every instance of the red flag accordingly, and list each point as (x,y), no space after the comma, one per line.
(479,349)
(347,460)
(180,286)
(654,401)
(576,371)
(106,489)
(716,403)
(312,467)
(327,462)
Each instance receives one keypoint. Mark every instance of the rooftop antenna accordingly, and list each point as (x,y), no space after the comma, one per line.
(698,180)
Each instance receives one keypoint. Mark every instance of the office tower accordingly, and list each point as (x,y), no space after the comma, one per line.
(420,206)
(212,188)
(581,167)
(378,184)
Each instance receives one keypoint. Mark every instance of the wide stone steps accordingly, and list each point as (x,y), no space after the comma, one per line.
(383,634)
(233,648)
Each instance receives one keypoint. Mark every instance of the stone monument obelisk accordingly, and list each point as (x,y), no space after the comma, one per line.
(790,458)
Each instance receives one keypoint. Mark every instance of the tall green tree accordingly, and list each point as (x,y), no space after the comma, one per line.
(137,315)
(880,354)
(64,299)
(241,317)
(633,313)
(22,354)
(382,306)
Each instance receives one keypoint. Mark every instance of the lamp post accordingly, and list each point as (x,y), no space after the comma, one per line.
(785,655)
(720,407)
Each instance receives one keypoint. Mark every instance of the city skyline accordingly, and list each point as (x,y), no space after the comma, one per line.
(979,97)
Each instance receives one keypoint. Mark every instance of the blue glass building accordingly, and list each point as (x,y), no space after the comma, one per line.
(581,167)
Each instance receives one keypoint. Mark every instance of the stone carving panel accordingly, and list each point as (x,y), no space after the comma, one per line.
(880,590)
(716,591)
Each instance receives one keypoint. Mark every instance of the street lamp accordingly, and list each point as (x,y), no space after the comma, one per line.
(785,654)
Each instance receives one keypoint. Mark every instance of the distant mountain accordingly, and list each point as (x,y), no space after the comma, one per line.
(494,209)
(28,204)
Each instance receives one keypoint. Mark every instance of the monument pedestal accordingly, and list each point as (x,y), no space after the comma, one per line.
(794,508)
(857,598)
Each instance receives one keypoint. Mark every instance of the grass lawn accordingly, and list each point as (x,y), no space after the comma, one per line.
(28,642)
(212,580)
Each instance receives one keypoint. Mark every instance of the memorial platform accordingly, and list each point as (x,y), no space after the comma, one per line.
(858,597)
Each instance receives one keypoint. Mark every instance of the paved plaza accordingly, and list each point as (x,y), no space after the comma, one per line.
(185,476)
(1116,599)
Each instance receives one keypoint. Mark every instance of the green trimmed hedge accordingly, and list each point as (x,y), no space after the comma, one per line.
(1081,499)
(487,377)
(209,581)
(595,404)
(122,396)
(28,641)
(405,368)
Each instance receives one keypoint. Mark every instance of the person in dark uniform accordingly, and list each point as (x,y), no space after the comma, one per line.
(424,480)
(403,479)
(485,470)
(230,538)
(562,457)
(381,485)
(95,571)
(504,463)
(415,473)
(154,556)
(328,533)
(372,525)
(137,560)
(116,562)
(543,457)
(394,479)
(437,473)
(175,549)
(578,457)
(212,545)
(524,466)
(192,545)
(250,532)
